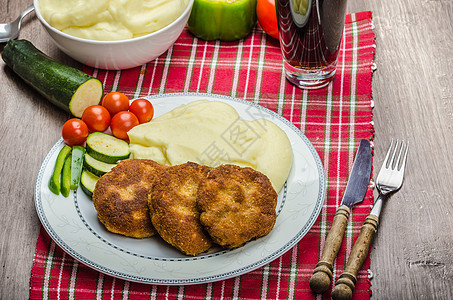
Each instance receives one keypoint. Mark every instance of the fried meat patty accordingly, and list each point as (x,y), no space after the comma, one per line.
(121,197)
(173,208)
(236,204)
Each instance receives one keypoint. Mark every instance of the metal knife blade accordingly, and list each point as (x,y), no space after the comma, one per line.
(354,193)
(360,176)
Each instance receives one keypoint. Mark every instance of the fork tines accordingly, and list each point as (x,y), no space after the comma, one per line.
(398,164)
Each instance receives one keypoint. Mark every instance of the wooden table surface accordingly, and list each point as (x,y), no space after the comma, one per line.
(412,255)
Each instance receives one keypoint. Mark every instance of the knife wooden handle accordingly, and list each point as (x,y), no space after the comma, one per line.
(346,283)
(322,274)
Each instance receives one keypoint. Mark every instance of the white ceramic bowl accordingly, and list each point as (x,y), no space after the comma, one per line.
(116,55)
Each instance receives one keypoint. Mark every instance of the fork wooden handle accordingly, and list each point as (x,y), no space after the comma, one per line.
(322,274)
(346,283)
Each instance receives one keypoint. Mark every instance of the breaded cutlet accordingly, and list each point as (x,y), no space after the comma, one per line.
(173,208)
(121,197)
(236,204)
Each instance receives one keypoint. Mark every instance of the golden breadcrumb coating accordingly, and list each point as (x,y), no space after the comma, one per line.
(173,208)
(121,197)
(237,205)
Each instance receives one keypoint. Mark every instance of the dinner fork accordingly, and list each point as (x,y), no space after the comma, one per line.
(390,179)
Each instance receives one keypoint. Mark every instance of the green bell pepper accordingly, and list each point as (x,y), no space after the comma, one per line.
(225,20)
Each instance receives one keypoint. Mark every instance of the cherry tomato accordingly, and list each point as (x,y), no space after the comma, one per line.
(142,109)
(115,102)
(267,17)
(121,123)
(74,132)
(96,117)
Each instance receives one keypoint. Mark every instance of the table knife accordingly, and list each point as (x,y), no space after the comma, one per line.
(355,191)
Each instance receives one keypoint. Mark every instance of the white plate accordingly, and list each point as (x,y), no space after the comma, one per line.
(73,225)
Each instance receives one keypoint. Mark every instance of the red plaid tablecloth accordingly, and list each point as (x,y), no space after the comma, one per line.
(334,119)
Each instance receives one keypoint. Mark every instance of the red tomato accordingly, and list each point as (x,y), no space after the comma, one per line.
(115,102)
(142,109)
(267,17)
(121,123)
(96,117)
(74,132)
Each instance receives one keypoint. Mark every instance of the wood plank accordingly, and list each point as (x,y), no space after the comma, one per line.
(412,92)
(28,129)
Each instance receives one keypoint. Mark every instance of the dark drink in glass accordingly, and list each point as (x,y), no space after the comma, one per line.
(310,36)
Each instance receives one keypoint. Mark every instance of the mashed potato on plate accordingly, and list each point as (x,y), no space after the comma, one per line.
(212,133)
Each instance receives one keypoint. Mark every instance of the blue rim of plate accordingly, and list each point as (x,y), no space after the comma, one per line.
(196,280)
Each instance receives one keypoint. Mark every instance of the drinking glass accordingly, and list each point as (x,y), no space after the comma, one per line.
(310,35)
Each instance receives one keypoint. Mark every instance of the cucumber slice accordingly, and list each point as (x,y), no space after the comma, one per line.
(78,154)
(95,166)
(54,182)
(88,182)
(107,148)
(66,176)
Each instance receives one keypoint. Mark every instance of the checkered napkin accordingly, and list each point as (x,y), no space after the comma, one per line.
(334,119)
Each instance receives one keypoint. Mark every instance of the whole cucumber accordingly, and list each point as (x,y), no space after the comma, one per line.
(64,86)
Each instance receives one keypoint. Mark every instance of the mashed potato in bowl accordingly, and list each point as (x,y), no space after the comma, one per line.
(110,20)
